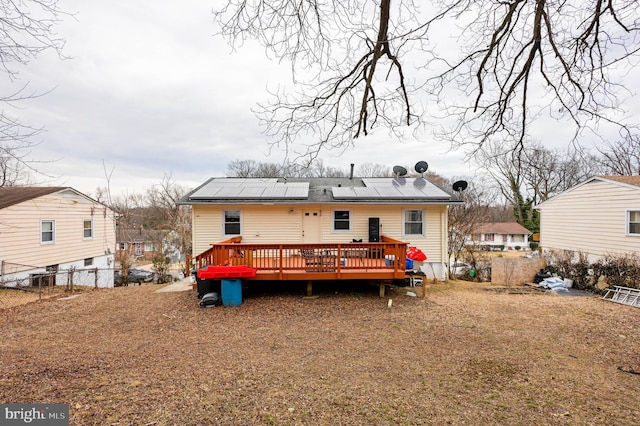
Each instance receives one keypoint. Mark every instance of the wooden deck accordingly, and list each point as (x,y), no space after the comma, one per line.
(312,262)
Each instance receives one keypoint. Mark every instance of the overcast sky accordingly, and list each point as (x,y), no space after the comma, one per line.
(148,90)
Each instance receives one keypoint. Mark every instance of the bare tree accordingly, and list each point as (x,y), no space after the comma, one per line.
(464,220)
(177,218)
(358,66)
(532,175)
(26,30)
(621,157)
(373,170)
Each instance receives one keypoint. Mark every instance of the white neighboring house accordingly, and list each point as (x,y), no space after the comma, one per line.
(500,235)
(46,232)
(598,216)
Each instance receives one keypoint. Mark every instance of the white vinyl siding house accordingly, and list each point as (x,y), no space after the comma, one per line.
(598,217)
(420,223)
(48,228)
(499,235)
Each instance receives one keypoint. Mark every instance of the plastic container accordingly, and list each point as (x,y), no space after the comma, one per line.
(221,272)
(409,264)
(231,292)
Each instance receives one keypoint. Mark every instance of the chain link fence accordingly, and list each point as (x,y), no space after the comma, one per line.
(16,289)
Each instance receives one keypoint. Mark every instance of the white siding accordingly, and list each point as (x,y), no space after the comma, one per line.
(20,230)
(591,218)
(283,224)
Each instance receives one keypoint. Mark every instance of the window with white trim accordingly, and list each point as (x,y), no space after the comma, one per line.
(341,220)
(413,222)
(633,222)
(232,223)
(87,227)
(47,231)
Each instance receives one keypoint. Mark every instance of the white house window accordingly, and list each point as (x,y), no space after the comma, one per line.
(634,222)
(413,222)
(341,220)
(47,231)
(232,222)
(489,237)
(148,247)
(87,229)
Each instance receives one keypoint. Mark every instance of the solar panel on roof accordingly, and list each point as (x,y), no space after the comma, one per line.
(251,189)
(392,189)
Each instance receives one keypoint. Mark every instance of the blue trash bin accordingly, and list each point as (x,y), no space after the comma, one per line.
(231,292)
(409,264)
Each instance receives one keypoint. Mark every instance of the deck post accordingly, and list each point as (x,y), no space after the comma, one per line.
(309,289)
(381,288)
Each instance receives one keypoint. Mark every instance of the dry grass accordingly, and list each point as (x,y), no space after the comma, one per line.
(462,355)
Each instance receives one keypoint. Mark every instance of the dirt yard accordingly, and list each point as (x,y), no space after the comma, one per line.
(462,355)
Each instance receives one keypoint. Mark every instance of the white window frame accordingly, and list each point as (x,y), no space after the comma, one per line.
(224,223)
(628,223)
(423,222)
(333,220)
(84,236)
(52,231)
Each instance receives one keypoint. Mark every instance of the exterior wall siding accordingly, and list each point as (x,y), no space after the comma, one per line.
(591,218)
(283,224)
(20,236)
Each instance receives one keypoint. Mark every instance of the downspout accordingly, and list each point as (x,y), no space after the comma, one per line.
(445,243)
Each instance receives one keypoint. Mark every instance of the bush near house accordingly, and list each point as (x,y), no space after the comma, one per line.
(611,270)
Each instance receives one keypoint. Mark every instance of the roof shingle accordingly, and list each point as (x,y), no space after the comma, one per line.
(19,194)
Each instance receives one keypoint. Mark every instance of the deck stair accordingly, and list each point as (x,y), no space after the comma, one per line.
(623,295)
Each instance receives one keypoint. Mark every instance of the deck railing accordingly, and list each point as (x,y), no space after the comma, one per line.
(317,261)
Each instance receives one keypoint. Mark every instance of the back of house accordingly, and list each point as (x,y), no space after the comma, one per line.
(323,210)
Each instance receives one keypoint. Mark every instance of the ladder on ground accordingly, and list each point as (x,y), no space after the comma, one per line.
(624,295)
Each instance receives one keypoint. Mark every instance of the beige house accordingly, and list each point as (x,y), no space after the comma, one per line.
(598,217)
(324,210)
(46,233)
(500,235)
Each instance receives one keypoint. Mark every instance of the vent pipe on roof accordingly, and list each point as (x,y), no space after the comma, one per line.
(351,174)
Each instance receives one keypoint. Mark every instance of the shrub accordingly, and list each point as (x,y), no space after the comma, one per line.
(533,245)
(518,248)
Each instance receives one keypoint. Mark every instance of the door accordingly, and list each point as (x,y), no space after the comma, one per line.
(311,226)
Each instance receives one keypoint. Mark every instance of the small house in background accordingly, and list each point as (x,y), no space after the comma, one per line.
(139,243)
(598,216)
(321,228)
(500,236)
(55,236)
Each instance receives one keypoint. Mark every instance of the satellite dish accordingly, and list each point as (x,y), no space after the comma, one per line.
(460,185)
(399,170)
(421,166)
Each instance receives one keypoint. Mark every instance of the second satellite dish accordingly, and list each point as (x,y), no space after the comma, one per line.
(399,170)
(421,167)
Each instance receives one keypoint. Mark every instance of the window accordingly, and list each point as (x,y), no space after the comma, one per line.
(48,231)
(489,237)
(634,222)
(232,222)
(148,247)
(88,229)
(88,261)
(341,220)
(413,222)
